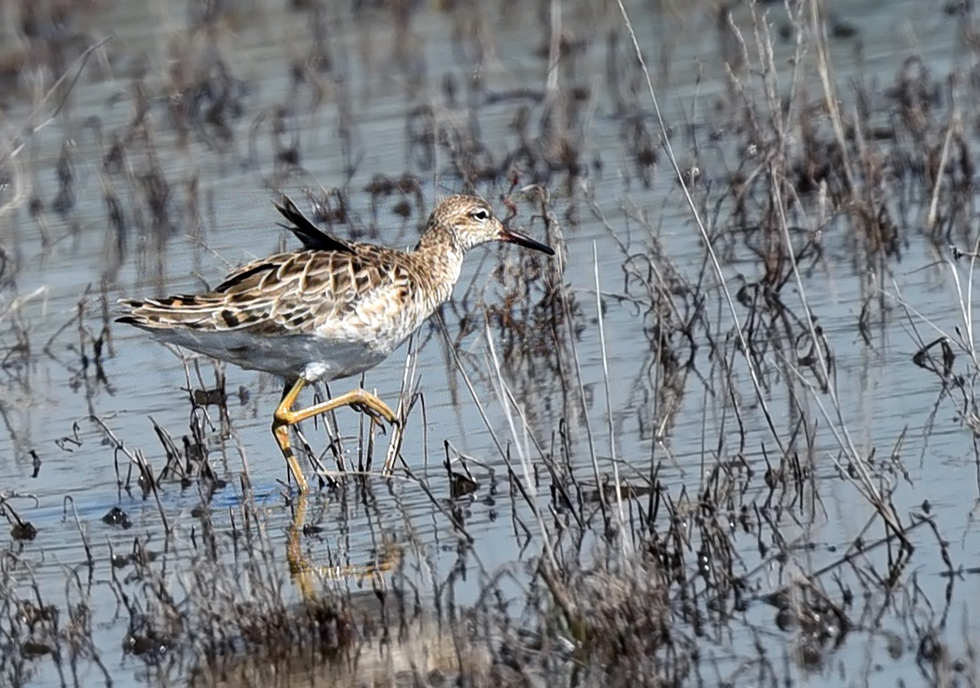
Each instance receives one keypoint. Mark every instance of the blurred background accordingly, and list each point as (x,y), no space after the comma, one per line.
(728,435)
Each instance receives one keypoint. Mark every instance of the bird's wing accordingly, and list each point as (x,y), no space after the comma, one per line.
(290,293)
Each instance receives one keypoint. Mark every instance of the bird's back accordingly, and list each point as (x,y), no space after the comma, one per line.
(333,309)
(360,303)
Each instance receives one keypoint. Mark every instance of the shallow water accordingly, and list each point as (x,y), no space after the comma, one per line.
(888,405)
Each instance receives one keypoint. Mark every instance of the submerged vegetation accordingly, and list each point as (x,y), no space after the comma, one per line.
(650,461)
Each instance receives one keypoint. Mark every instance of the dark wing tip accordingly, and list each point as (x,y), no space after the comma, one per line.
(311,236)
(288,209)
(131,304)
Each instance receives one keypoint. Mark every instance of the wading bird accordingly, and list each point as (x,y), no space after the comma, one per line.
(331,310)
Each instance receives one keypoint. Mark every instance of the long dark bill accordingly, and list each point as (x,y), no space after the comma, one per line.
(513,237)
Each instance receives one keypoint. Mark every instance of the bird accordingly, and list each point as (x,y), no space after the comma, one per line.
(330,310)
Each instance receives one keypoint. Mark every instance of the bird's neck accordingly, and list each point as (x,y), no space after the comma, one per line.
(440,259)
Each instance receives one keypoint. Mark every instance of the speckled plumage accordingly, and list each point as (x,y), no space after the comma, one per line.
(331,310)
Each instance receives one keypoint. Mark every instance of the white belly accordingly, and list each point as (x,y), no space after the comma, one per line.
(291,357)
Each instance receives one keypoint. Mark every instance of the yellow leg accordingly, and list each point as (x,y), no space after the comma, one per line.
(309,576)
(298,566)
(284,417)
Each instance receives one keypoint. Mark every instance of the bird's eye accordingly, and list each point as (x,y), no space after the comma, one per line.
(480,214)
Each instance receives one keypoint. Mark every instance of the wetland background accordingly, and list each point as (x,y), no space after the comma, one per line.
(728,437)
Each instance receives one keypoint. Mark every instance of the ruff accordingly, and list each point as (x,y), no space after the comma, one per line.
(329,311)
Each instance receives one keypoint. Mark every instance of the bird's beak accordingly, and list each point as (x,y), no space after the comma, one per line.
(512,237)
